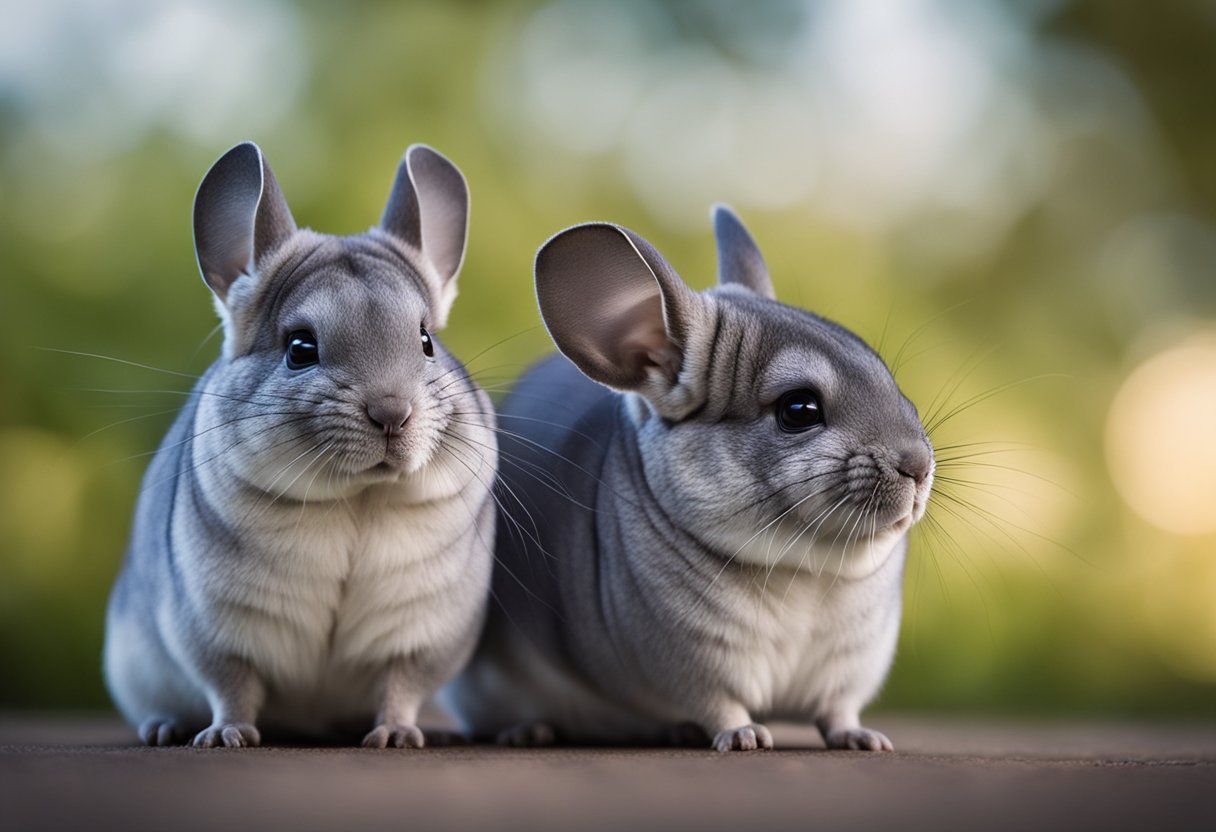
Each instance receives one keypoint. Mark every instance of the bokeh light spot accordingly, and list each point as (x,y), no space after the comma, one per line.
(1161,438)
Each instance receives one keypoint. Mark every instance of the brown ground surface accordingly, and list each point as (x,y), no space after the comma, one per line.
(86,773)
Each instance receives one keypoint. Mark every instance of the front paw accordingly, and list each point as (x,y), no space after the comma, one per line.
(440,738)
(528,735)
(161,731)
(395,736)
(229,735)
(857,739)
(745,738)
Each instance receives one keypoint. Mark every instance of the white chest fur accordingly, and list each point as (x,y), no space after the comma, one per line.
(799,644)
(330,591)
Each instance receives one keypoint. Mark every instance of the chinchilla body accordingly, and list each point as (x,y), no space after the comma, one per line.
(705,514)
(312,545)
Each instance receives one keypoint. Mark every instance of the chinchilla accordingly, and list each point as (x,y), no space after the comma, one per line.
(710,494)
(312,545)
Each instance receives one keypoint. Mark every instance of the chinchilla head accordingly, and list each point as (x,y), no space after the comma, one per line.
(773,435)
(331,377)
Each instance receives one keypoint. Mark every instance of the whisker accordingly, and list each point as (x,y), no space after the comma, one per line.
(119,361)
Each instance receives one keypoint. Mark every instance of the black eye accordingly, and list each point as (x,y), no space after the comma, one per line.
(799,410)
(302,350)
(428,346)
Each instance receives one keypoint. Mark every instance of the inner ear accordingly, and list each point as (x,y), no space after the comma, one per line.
(239,216)
(608,309)
(428,208)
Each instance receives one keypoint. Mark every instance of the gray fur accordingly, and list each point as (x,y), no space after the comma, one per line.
(311,549)
(670,555)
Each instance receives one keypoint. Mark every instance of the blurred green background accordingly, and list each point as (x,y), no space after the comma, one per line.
(1019,195)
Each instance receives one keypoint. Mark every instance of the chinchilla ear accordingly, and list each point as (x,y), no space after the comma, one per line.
(239,216)
(615,307)
(428,208)
(739,259)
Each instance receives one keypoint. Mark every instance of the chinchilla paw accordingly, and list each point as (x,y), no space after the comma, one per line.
(394,736)
(746,738)
(528,735)
(858,739)
(160,730)
(228,735)
(445,739)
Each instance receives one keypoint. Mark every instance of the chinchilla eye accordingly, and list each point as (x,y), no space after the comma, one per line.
(428,345)
(799,410)
(302,350)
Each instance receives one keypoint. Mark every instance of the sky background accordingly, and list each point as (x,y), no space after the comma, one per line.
(1014,201)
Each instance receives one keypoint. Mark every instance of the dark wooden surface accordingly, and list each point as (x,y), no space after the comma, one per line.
(86,772)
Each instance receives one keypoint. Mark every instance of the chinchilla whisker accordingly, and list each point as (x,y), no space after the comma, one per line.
(813,526)
(948,453)
(468,364)
(533,420)
(534,471)
(451,378)
(953,504)
(557,404)
(206,338)
(537,446)
(501,341)
(534,535)
(500,564)
(532,468)
(996,490)
(898,361)
(932,526)
(775,520)
(844,524)
(127,421)
(964,562)
(536,420)
(933,424)
(1005,446)
(295,417)
(509,387)
(218,426)
(771,565)
(502,509)
(953,384)
(852,524)
(321,463)
(961,463)
(127,406)
(123,361)
(268,491)
(514,435)
(956,553)
(727,562)
(263,400)
(463,373)
(775,492)
(996,521)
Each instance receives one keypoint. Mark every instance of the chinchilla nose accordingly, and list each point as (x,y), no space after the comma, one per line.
(915,462)
(390,413)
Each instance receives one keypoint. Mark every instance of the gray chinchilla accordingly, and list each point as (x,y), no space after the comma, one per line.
(710,536)
(312,546)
